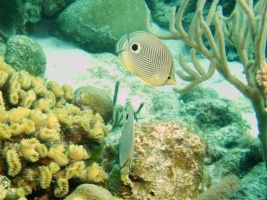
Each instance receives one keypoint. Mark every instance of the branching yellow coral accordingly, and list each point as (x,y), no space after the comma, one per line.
(50,98)
(46,177)
(53,167)
(24,79)
(3,115)
(3,192)
(28,98)
(3,78)
(94,173)
(5,67)
(25,186)
(2,103)
(98,132)
(13,162)
(52,122)
(77,152)
(14,89)
(42,105)
(71,109)
(62,187)
(4,131)
(38,117)
(68,92)
(28,126)
(48,135)
(31,149)
(15,129)
(75,170)
(17,114)
(63,117)
(56,153)
(55,88)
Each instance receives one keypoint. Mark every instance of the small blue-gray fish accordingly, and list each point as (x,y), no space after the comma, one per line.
(146,56)
(126,144)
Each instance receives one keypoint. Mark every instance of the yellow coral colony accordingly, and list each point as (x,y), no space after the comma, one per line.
(4,131)
(37,123)
(94,173)
(68,92)
(48,135)
(62,187)
(3,192)
(13,162)
(57,154)
(31,149)
(77,152)
(75,170)
(46,177)
(53,167)
(55,88)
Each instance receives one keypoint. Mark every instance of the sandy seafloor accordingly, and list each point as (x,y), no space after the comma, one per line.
(69,64)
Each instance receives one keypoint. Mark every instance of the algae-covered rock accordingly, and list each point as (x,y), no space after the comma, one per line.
(97,25)
(90,192)
(96,99)
(19,16)
(10,15)
(2,49)
(24,53)
(170,164)
(53,7)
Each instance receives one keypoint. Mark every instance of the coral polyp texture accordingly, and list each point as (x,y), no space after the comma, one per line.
(170,164)
(261,79)
(45,140)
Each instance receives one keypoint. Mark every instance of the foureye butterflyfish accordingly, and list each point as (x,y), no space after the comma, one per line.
(146,56)
(126,144)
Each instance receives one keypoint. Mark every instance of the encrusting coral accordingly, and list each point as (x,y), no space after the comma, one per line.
(45,139)
(89,192)
(170,165)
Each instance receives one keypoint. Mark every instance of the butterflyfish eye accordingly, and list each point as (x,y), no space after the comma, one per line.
(169,77)
(135,47)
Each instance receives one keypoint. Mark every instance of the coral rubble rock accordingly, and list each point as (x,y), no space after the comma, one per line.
(97,25)
(24,53)
(170,164)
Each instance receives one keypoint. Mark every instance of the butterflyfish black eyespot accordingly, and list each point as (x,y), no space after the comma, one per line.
(169,77)
(135,47)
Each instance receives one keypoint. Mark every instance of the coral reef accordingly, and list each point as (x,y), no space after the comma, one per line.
(53,7)
(23,53)
(8,21)
(96,99)
(45,139)
(90,192)
(107,22)
(229,185)
(169,164)
(249,40)
(18,17)
(261,78)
